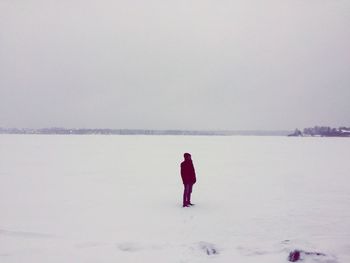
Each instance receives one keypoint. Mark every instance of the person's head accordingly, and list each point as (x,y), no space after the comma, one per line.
(187,156)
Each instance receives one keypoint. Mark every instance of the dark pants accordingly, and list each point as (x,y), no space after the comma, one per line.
(187,194)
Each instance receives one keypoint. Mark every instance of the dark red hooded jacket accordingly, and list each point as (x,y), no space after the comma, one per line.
(188,173)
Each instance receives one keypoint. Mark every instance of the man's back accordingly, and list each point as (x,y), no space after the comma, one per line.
(188,173)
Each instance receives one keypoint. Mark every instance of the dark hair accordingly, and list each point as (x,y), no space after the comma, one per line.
(187,155)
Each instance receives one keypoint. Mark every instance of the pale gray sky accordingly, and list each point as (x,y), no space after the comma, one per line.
(175,64)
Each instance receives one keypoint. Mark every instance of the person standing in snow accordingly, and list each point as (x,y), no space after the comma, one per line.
(188,176)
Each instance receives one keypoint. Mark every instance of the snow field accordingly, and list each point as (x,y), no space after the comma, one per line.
(118,199)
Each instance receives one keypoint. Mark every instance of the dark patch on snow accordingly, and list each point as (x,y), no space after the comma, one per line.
(315,253)
(299,255)
(208,248)
(294,256)
(129,247)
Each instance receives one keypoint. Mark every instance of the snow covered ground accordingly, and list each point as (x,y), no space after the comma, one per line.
(118,199)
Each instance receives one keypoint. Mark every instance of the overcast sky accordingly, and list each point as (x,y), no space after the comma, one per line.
(175,64)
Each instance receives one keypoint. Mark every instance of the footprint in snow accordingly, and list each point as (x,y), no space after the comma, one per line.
(129,247)
(208,248)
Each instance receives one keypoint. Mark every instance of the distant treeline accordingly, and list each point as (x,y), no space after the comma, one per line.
(324,131)
(64,131)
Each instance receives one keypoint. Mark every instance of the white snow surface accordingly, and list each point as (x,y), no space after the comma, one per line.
(119,199)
